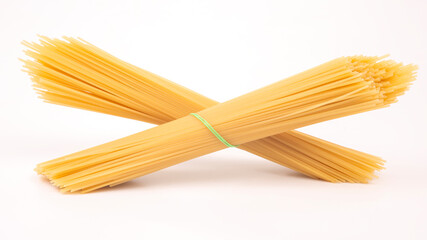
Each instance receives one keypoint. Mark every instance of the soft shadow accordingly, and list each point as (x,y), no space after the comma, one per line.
(214,171)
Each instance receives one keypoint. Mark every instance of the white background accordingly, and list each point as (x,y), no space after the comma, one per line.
(221,49)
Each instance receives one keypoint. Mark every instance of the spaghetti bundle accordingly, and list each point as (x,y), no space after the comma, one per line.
(77,74)
(338,88)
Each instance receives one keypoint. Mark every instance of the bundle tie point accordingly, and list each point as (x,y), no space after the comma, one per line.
(213,131)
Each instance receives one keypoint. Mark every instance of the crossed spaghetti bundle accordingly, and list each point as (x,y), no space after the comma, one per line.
(76,73)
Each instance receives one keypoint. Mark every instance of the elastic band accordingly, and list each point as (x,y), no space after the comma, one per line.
(213,130)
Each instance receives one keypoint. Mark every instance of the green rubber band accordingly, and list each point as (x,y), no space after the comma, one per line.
(213,130)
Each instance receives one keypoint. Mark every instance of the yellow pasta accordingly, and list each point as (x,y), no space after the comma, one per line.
(77,74)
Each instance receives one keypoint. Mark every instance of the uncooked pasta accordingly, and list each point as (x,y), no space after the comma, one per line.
(76,73)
